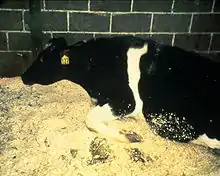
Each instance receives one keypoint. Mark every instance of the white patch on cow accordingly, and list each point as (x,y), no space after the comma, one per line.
(205,140)
(99,116)
(97,120)
(133,70)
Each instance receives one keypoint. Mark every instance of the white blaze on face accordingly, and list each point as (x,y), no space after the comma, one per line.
(133,70)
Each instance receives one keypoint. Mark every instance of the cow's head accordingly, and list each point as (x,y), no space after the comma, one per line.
(47,68)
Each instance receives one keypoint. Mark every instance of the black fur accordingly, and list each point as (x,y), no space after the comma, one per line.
(178,86)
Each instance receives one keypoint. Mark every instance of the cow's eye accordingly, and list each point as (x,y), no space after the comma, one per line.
(41,60)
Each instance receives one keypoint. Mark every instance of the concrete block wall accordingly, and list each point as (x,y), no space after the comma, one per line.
(189,24)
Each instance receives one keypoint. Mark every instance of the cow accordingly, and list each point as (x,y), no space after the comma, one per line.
(176,90)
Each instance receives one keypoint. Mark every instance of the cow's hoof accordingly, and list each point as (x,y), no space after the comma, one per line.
(132,136)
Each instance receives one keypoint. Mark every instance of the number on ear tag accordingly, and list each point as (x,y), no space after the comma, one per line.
(65,60)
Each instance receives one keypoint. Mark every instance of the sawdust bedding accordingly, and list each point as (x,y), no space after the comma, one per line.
(42,132)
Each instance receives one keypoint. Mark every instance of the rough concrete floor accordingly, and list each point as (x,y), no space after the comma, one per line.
(43,133)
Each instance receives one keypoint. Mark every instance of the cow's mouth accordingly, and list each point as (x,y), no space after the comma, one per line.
(27,82)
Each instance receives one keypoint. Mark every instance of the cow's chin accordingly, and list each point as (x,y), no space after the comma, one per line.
(40,82)
(29,84)
(32,82)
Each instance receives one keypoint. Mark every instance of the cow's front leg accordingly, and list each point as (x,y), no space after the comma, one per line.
(136,113)
(97,120)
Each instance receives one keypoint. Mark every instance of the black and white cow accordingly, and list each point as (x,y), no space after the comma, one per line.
(176,90)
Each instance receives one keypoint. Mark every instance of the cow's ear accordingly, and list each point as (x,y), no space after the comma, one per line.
(47,45)
(57,44)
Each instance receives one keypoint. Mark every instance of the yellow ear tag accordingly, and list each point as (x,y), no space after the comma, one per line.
(65,60)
